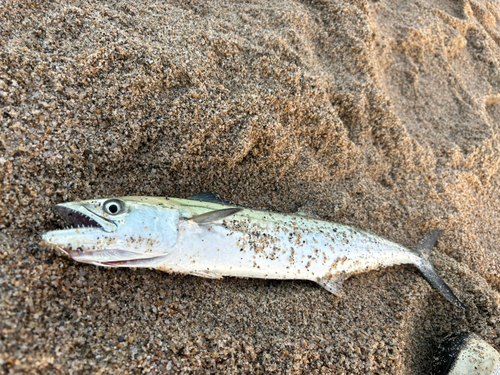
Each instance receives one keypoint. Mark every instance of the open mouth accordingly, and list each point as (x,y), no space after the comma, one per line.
(80,216)
(76,218)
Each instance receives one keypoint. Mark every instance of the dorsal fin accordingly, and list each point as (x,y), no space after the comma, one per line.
(208,197)
(213,216)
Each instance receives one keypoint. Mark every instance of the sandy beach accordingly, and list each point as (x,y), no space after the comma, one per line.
(382,114)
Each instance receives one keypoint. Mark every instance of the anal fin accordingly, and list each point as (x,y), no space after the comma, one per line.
(333,284)
(206,274)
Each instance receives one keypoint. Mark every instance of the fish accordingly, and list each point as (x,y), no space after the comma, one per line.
(207,237)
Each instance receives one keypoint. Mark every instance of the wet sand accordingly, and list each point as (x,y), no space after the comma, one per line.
(383,115)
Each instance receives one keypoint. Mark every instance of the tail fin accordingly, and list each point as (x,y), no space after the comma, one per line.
(424,248)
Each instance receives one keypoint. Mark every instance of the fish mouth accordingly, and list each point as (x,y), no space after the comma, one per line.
(106,258)
(79,216)
(76,218)
(113,258)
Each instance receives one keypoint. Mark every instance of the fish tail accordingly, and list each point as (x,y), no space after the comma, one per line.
(424,248)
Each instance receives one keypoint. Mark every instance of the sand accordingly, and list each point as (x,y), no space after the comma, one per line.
(383,115)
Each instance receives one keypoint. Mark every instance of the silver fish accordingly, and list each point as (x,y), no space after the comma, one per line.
(210,239)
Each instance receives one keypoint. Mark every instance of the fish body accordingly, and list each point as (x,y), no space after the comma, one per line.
(214,240)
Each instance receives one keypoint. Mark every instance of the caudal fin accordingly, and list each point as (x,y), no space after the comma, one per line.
(424,248)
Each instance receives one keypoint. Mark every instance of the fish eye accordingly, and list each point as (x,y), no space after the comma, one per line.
(113,206)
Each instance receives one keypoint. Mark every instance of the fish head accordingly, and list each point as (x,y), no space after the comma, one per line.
(115,231)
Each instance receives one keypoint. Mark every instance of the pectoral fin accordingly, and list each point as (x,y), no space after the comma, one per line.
(213,216)
(332,284)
